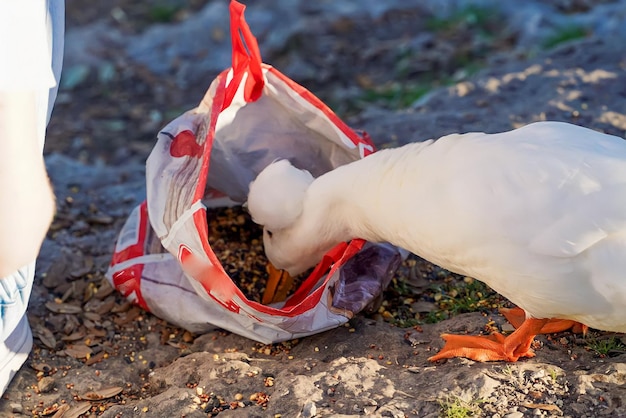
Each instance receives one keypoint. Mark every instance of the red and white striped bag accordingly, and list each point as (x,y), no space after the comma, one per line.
(250,116)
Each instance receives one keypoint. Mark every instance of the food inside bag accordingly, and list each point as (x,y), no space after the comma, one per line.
(238,244)
(173,259)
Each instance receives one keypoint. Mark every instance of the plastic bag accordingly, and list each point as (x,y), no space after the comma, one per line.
(250,116)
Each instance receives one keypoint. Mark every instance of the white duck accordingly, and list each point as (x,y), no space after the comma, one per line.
(537,213)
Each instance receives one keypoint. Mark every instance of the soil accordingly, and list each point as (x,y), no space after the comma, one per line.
(96,354)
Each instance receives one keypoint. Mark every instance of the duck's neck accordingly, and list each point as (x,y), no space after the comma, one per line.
(357,200)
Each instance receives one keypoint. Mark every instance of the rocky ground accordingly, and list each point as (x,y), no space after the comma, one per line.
(403,71)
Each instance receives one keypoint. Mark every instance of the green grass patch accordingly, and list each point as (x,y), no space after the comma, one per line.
(463,296)
(553,374)
(565,34)
(395,95)
(164,13)
(456,407)
(400,95)
(474,17)
(605,347)
(451,296)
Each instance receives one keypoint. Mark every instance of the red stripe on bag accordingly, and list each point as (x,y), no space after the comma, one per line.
(128,281)
(302,301)
(246,57)
(364,141)
(207,142)
(330,258)
(137,249)
(210,276)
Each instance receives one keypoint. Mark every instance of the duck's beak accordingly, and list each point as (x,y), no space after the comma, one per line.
(279,283)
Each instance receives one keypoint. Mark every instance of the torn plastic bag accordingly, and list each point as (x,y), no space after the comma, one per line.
(250,116)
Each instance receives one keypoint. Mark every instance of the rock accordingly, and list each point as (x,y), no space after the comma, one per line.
(486,386)
(309,410)
(539,374)
(423,306)
(507,328)
(16,408)
(46,384)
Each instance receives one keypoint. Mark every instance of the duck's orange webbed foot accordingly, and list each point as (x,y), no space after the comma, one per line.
(494,347)
(516,316)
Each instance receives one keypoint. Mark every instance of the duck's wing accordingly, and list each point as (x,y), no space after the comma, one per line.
(565,185)
(572,220)
(598,216)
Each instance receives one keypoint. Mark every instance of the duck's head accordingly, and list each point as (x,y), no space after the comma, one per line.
(276,201)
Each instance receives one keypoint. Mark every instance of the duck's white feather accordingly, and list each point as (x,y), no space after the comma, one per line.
(538,213)
(277,194)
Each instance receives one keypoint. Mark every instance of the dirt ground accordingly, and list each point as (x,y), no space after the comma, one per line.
(95,354)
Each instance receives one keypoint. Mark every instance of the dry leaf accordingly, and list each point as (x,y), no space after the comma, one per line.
(68,293)
(95,359)
(83,268)
(46,336)
(104,290)
(71,324)
(60,412)
(79,272)
(129,316)
(97,332)
(65,308)
(49,410)
(78,351)
(88,292)
(93,316)
(106,306)
(100,394)
(76,410)
(125,306)
(74,336)
(180,346)
(41,367)
(57,272)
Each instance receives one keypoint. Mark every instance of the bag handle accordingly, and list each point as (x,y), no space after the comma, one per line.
(246,58)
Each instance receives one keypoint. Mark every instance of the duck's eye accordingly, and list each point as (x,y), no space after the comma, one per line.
(269,233)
